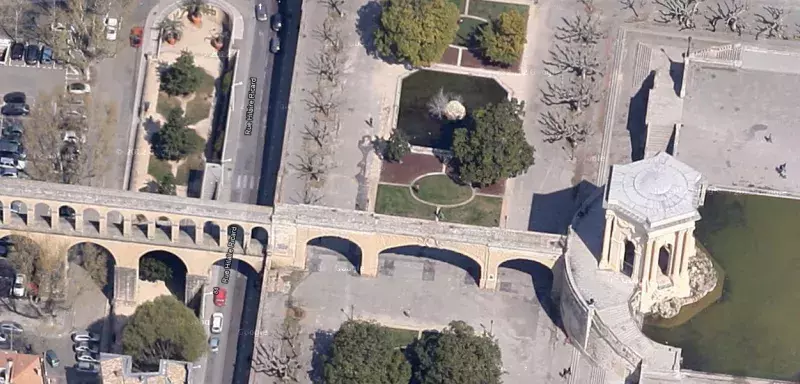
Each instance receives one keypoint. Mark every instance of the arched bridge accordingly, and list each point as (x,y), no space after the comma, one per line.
(202,232)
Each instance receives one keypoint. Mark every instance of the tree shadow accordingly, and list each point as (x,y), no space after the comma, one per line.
(366,24)
(637,117)
(552,212)
(322,340)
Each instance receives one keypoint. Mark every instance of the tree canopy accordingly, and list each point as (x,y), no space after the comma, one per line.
(416,32)
(174,140)
(493,147)
(397,146)
(152,269)
(182,77)
(363,352)
(503,40)
(457,355)
(164,328)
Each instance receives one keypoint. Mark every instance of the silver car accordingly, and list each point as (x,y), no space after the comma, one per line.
(261,12)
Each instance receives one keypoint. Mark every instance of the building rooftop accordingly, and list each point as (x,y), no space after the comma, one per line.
(25,369)
(117,369)
(655,191)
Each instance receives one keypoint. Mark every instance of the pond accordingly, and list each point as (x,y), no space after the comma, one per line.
(417,90)
(752,330)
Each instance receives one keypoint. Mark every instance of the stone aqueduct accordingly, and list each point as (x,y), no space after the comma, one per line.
(199,232)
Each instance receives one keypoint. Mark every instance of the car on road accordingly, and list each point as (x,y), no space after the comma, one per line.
(17,51)
(10,327)
(216,323)
(261,12)
(276,22)
(136,37)
(220,294)
(16,109)
(18,290)
(275,45)
(15,98)
(79,336)
(87,367)
(213,344)
(87,357)
(32,53)
(112,26)
(79,88)
(51,358)
(47,55)
(11,173)
(85,346)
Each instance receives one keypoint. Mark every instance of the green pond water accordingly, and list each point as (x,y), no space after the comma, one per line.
(754,327)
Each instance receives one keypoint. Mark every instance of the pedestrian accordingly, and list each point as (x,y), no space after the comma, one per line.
(369,122)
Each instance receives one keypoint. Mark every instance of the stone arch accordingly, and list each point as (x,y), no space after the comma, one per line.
(139,224)
(115,223)
(187,231)
(91,257)
(91,221)
(163,229)
(67,217)
(42,215)
(211,234)
(259,238)
(150,273)
(19,212)
(390,263)
(664,258)
(321,252)
(628,259)
(235,237)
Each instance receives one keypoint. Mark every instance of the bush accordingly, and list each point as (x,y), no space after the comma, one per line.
(416,32)
(152,269)
(397,146)
(363,352)
(166,185)
(175,141)
(503,40)
(182,77)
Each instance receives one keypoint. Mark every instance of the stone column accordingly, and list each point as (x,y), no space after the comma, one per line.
(78,222)
(688,251)
(369,261)
(245,241)
(175,230)
(127,227)
(605,261)
(489,278)
(678,254)
(55,219)
(654,252)
(102,226)
(151,230)
(198,235)
(7,215)
(194,284)
(641,261)
(125,280)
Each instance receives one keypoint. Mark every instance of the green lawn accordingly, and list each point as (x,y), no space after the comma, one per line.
(166,103)
(397,201)
(466,30)
(460,4)
(193,162)
(197,110)
(158,168)
(482,210)
(206,86)
(490,10)
(401,337)
(440,189)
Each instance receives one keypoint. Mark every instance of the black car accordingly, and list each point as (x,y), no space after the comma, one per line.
(276,22)
(15,110)
(32,54)
(275,45)
(17,51)
(47,55)
(15,98)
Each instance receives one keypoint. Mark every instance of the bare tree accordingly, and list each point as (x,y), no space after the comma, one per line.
(731,13)
(334,5)
(576,95)
(682,12)
(330,35)
(772,24)
(68,144)
(634,5)
(565,127)
(309,195)
(327,65)
(11,12)
(581,30)
(588,5)
(279,358)
(581,61)
(322,101)
(312,166)
(322,133)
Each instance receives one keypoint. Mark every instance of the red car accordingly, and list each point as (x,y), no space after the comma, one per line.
(219,296)
(136,37)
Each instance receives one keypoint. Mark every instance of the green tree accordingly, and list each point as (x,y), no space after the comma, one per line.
(414,31)
(397,146)
(164,328)
(456,356)
(166,185)
(494,146)
(362,352)
(503,40)
(174,140)
(182,77)
(152,269)
(94,259)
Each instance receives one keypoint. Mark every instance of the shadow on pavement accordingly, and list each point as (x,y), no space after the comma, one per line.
(552,212)
(322,343)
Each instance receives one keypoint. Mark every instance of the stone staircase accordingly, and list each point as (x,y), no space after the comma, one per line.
(641,66)
(658,139)
(585,371)
(727,55)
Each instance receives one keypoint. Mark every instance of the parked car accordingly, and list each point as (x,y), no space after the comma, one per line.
(10,327)
(136,37)
(3,338)
(13,146)
(74,138)
(216,323)
(276,22)
(261,12)
(220,294)
(17,51)
(51,358)
(11,173)
(32,54)
(112,25)
(47,55)
(13,132)
(85,346)
(87,367)
(18,290)
(79,88)
(15,110)
(275,45)
(8,160)
(87,357)
(213,344)
(79,336)
(15,98)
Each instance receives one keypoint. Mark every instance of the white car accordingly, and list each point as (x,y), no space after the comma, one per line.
(18,290)
(216,323)
(79,88)
(112,26)
(87,357)
(85,336)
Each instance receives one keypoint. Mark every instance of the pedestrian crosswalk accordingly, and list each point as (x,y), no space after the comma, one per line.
(72,74)
(246,182)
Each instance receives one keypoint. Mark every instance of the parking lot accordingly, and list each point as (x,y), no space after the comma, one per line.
(32,80)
